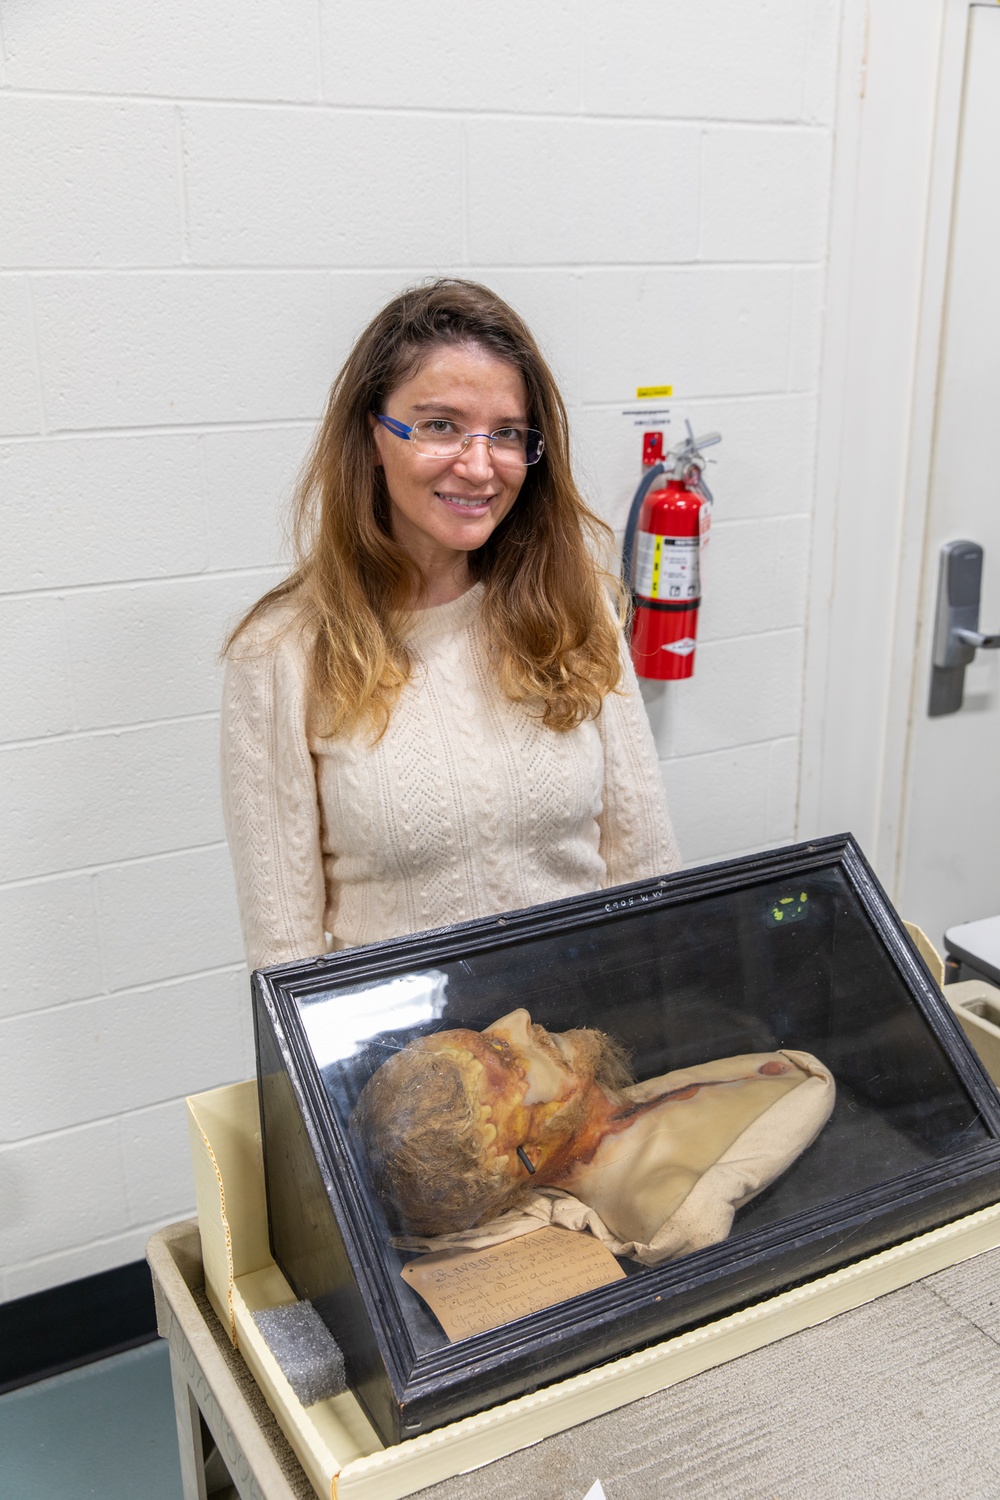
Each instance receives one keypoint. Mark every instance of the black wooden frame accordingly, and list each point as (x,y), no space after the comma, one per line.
(326,1239)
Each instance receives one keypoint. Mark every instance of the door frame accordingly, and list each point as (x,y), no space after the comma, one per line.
(900,81)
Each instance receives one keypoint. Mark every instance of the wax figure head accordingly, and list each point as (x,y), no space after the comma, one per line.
(461,1125)
(378,515)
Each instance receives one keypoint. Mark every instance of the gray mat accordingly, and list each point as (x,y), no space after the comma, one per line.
(898,1400)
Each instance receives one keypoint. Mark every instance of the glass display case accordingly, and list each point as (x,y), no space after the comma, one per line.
(791,953)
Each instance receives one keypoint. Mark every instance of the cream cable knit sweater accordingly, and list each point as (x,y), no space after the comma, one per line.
(465,807)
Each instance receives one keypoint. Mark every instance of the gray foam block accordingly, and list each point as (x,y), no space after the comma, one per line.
(304,1347)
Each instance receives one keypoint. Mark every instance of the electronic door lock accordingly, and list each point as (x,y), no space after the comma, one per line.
(957,636)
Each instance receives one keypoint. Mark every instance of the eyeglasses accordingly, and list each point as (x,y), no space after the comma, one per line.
(439,437)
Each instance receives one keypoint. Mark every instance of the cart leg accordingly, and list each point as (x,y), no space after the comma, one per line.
(189,1438)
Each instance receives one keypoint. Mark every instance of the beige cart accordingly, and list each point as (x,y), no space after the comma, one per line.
(237,1407)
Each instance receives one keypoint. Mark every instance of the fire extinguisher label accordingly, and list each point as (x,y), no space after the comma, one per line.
(666,567)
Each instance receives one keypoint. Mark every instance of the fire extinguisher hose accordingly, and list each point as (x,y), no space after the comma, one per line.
(628,545)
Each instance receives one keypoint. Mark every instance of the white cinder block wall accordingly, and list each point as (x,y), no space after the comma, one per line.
(199,206)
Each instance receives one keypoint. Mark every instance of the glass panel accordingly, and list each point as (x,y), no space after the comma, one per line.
(777,965)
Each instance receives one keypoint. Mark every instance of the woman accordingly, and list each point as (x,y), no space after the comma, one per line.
(432,718)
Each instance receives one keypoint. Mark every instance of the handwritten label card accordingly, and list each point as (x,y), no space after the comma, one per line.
(469,1291)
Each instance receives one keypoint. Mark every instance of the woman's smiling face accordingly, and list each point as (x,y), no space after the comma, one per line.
(443,509)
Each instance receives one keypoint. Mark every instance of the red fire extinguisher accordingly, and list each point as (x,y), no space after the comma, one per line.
(661,558)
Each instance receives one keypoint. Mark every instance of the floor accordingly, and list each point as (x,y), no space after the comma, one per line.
(105,1430)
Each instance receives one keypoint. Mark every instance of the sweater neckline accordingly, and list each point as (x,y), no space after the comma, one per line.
(425,626)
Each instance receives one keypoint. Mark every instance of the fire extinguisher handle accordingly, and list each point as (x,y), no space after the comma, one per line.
(628,545)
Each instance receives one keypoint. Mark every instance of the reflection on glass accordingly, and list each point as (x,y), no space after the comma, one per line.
(339,1025)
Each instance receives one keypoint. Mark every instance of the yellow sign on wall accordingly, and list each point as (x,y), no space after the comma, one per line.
(643,391)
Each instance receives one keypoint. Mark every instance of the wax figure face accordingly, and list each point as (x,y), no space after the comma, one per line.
(441,510)
(535,1090)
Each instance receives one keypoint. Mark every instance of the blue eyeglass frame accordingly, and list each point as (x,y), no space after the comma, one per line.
(399,429)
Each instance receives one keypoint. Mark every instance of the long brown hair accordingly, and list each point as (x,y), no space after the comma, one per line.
(552,638)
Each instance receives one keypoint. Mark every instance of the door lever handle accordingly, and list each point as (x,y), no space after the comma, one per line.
(977,640)
(957,636)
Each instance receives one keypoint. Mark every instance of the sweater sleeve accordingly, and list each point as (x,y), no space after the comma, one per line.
(637,837)
(271,804)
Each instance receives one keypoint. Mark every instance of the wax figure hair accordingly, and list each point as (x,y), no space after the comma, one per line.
(422,1126)
(553,641)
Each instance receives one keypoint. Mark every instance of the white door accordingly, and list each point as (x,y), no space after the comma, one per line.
(950,850)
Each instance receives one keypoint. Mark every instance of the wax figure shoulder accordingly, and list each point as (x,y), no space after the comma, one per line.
(466,806)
